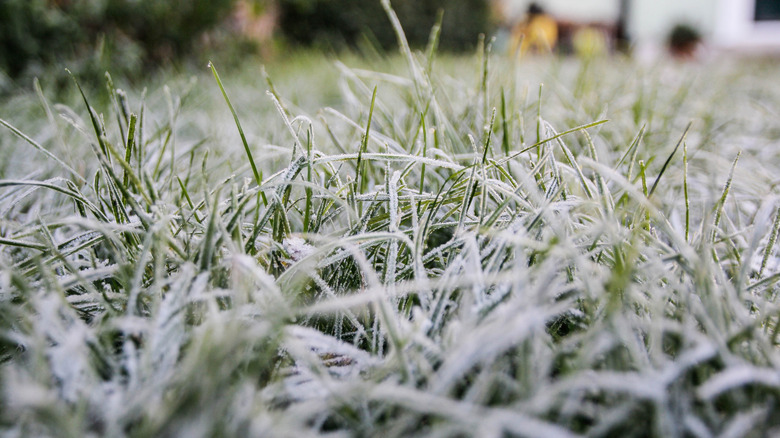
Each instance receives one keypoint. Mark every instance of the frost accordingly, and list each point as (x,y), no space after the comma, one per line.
(323,344)
(739,376)
(535,292)
(772,264)
(297,248)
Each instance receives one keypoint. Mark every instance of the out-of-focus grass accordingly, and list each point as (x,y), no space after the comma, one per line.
(466,253)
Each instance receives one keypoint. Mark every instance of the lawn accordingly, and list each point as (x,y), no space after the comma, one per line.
(411,245)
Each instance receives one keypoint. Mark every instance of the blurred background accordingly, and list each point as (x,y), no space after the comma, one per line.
(132,38)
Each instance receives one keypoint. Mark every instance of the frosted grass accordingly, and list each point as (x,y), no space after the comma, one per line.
(547,268)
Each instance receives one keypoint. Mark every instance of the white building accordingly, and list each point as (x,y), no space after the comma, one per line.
(728,24)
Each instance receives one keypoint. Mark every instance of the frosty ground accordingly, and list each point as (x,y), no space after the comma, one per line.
(417,245)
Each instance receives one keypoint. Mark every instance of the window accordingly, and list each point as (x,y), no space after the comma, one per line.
(767,10)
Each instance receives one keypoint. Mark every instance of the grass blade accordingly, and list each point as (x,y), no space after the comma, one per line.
(669,159)
(256,173)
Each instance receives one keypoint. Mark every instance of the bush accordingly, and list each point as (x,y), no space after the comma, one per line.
(32,31)
(345,22)
(90,36)
(165,29)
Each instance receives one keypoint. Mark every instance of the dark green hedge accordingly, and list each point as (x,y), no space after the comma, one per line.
(165,29)
(338,23)
(32,31)
(120,35)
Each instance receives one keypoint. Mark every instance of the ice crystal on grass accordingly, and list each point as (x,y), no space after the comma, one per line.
(297,248)
(398,265)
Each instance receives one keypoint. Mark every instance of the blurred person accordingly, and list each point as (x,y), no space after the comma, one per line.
(537,33)
(684,42)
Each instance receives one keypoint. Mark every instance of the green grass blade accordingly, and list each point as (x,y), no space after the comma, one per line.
(685,192)
(360,177)
(256,173)
(37,146)
(95,124)
(669,159)
(23,244)
(722,200)
(554,137)
(770,244)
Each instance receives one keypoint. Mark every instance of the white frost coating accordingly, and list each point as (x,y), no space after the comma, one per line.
(68,355)
(743,424)
(696,427)
(393,226)
(168,331)
(473,270)
(469,414)
(245,265)
(393,158)
(5,284)
(132,325)
(486,341)
(772,264)
(324,344)
(702,352)
(393,193)
(297,248)
(341,360)
(738,376)
(304,386)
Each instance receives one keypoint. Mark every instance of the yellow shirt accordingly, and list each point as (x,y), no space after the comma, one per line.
(539,34)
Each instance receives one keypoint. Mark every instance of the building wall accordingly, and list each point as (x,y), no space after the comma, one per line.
(723,23)
(652,20)
(735,27)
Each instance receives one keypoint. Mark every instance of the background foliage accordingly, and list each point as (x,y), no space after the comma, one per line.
(128,37)
(31,30)
(92,36)
(339,23)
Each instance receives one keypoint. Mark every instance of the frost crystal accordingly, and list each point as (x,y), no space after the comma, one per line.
(297,248)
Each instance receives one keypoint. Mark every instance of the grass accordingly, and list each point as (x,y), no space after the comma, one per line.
(414,246)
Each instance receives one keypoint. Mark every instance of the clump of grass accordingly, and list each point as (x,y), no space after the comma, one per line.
(408,262)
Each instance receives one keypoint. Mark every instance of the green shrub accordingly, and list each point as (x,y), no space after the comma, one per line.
(166,29)
(32,31)
(346,22)
(92,36)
